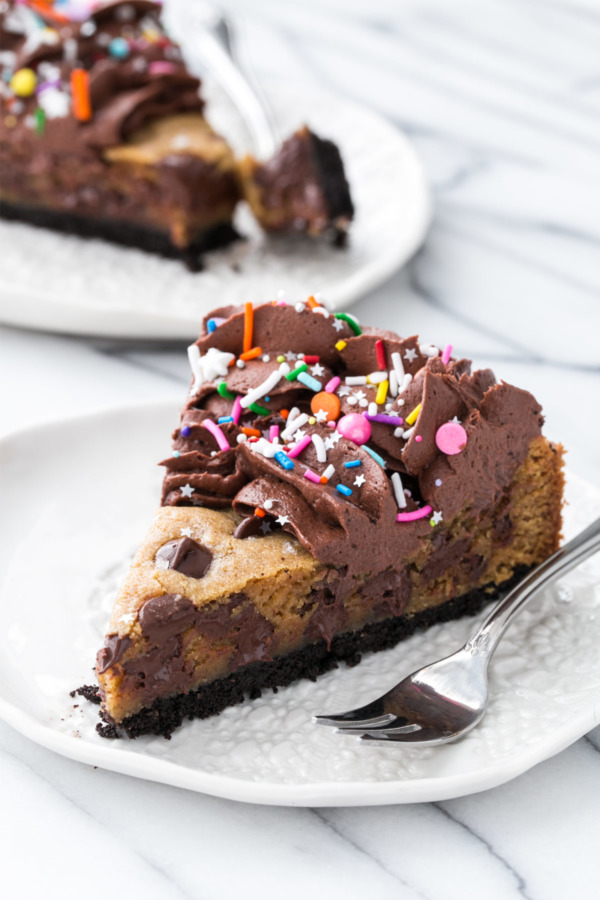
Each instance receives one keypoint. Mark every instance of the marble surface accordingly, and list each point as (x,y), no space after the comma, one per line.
(502,101)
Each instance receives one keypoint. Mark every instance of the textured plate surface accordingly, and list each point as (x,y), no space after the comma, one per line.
(62,283)
(75,499)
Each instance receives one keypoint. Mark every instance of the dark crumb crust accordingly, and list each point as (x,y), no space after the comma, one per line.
(124,233)
(167,714)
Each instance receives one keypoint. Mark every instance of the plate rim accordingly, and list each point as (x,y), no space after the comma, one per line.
(308,794)
(65,316)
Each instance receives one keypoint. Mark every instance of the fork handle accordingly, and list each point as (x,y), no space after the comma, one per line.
(486,638)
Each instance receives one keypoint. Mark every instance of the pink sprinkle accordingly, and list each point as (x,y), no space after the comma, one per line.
(451,438)
(162,67)
(281,303)
(418,438)
(331,424)
(312,477)
(332,384)
(300,446)
(273,432)
(354,427)
(447,354)
(236,412)
(217,434)
(416,514)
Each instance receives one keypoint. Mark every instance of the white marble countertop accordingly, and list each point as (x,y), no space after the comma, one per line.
(502,99)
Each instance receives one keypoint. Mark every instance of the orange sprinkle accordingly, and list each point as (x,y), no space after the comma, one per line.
(259,512)
(284,413)
(323,479)
(45,9)
(80,90)
(251,354)
(248,327)
(329,403)
(311,302)
(252,432)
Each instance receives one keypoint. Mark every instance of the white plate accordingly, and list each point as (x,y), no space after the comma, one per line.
(63,283)
(75,499)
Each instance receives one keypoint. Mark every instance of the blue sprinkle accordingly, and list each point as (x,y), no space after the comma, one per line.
(284,460)
(223,419)
(186,431)
(211,325)
(119,48)
(346,491)
(353,463)
(310,382)
(376,456)
(176,453)
(266,399)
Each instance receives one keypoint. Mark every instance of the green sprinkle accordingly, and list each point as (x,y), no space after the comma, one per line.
(350,321)
(39,117)
(222,389)
(259,410)
(293,375)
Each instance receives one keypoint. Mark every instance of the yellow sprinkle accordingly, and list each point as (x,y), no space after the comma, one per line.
(23,82)
(412,417)
(382,390)
(340,345)
(312,420)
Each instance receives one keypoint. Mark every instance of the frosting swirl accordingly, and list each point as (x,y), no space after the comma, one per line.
(135,73)
(362,492)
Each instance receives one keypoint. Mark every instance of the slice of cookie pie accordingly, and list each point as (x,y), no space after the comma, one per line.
(331,490)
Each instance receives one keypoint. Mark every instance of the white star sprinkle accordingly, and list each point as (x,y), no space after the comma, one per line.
(337,324)
(186,532)
(299,434)
(359,480)
(456,420)
(360,395)
(411,354)
(343,391)
(290,356)
(317,370)
(436,518)
(321,416)
(281,520)
(187,490)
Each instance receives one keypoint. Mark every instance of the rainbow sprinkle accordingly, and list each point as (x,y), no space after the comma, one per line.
(216,433)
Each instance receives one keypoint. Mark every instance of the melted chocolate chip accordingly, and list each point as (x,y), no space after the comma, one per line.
(165,616)
(112,652)
(248,527)
(186,556)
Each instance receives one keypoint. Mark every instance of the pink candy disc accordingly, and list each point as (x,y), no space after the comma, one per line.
(355,427)
(451,438)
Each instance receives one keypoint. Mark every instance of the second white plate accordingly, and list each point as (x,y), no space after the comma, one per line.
(76,497)
(62,283)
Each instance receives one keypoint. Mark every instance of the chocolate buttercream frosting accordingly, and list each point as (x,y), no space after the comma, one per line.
(135,73)
(355,440)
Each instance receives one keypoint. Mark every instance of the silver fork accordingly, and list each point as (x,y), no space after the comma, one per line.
(446,699)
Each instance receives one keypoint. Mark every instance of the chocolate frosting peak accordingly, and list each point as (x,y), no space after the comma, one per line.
(236,447)
(135,72)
